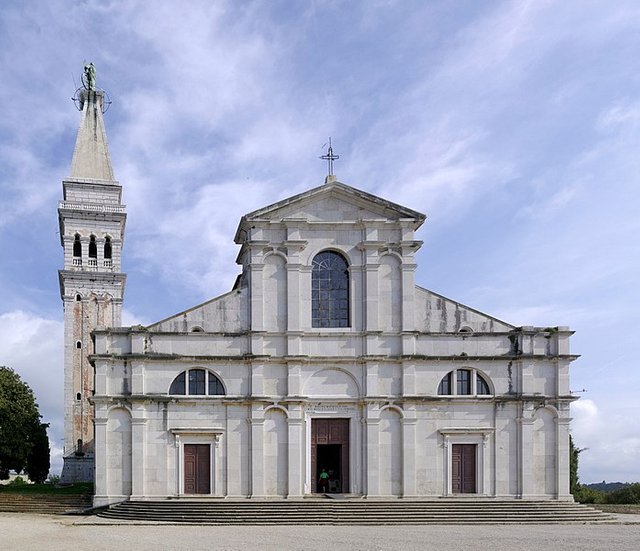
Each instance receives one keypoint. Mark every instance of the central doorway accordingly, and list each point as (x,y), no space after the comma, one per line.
(463,468)
(330,452)
(197,469)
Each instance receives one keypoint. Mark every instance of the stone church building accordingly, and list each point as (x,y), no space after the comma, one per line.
(323,357)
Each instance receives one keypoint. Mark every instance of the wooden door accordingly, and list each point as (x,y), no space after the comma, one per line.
(330,432)
(197,469)
(463,468)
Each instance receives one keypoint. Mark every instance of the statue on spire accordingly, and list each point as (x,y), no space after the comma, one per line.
(89,76)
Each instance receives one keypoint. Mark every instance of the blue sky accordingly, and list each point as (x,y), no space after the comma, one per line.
(515,126)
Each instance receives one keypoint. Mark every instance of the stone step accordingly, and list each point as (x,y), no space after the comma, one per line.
(43,503)
(353,512)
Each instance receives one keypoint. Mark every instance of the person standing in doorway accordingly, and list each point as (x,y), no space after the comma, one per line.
(324,481)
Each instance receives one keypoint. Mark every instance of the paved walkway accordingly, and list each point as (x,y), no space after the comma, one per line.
(36,532)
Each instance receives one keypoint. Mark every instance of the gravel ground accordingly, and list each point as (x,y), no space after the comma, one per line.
(35,532)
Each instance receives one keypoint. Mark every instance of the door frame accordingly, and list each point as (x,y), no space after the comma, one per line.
(344,462)
(466,452)
(478,437)
(209,437)
(351,413)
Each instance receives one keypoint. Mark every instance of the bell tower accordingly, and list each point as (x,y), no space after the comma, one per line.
(92,222)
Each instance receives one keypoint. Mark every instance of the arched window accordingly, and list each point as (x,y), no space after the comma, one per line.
(77,246)
(444,388)
(178,386)
(482,387)
(329,290)
(463,377)
(107,248)
(93,248)
(200,382)
(468,382)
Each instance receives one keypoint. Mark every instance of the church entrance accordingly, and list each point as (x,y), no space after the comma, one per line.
(463,468)
(330,453)
(197,469)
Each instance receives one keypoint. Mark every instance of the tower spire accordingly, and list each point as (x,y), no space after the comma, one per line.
(91,157)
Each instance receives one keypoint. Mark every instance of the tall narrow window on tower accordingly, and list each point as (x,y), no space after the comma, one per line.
(77,246)
(330,290)
(93,248)
(107,251)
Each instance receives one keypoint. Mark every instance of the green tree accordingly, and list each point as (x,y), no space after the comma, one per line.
(574,482)
(21,432)
(626,494)
(38,460)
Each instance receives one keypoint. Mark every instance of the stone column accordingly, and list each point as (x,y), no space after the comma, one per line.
(562,458)
(294,381)
(446,465)
(506,430)
(257,315)
(293,290)
(296,449)
(526,377)
(137,377)
(371,292)
(408,378)
(486,464)
(409,455)
(525,456)
(294,306)
(138,454)
(256,304)
(371,378)
(408,295)
(101,483)
(257,379)
(179,459)
(373,456)
(216,471)
(257,457)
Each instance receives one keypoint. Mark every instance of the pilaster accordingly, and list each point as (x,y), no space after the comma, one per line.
(101,482)
(296,450)
(257,455)
(563,425)
(138,456)
(525,454)
(373,455)
(409,454)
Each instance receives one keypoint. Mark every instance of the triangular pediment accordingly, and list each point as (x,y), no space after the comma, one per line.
(334,202)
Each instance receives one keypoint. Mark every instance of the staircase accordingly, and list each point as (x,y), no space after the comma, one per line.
(355,512)
(45,504)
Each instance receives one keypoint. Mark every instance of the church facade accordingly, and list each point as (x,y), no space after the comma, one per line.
(326,369)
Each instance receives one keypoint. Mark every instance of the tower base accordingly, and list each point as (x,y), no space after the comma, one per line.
(77,468)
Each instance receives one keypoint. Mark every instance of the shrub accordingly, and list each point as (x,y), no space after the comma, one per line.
(53,479)
(584,494)
(17,481)
(628,494)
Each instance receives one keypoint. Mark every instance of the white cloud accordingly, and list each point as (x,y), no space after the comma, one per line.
(33,347)
(130,318)
(610,442)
